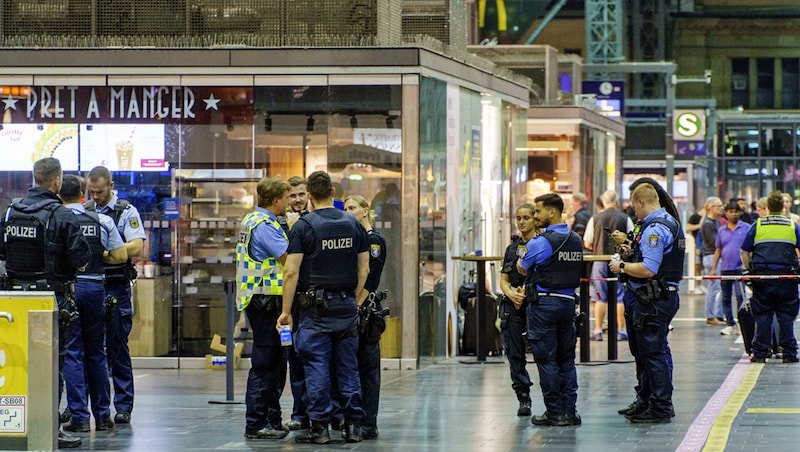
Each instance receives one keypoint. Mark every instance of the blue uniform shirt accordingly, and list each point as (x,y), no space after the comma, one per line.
(130,223)
(540,250)
(266,240)
(656,241)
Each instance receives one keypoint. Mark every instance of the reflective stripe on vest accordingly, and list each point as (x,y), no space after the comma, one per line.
(256,277)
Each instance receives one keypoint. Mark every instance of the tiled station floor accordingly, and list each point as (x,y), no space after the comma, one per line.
(722,402)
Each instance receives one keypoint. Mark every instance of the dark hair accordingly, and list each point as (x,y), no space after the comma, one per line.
(733,205)
(551,200)
(99,172)
(269,188)
(45,171)
(664,198)
(319,185)
(70,188)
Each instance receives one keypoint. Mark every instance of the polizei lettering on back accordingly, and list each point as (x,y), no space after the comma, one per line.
(570,255)
(337,244)
(24,232)
(89,230)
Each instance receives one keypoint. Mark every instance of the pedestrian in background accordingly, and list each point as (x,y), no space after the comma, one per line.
(727,255)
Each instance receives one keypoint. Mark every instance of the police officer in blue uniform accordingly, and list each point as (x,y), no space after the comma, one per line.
(44,248)
(652,269)
(260,255)
(552,267)
(513,308)
(86,365)
(118,286)
(770,248)
(327,264)
(371,322)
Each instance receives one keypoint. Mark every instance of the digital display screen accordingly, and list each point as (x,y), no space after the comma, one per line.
(122,147)
(23,144)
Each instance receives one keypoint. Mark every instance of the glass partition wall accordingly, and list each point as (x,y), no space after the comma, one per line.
(189,159)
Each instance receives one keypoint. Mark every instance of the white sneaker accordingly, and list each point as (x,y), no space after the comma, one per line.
(729,330)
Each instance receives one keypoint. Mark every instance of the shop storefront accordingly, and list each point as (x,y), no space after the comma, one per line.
(187,134)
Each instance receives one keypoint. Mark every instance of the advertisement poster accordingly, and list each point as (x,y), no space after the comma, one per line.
(23,144)
(123,147)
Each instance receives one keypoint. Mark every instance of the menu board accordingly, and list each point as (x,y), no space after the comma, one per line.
(23,144)
(123,147)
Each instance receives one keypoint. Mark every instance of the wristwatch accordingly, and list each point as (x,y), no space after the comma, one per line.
(622,267)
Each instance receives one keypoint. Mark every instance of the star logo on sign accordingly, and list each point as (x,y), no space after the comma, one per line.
(211,102)
(11,103)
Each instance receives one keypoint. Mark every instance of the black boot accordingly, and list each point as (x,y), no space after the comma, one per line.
(352,431)
(67,442)
(317,434)
(524,404)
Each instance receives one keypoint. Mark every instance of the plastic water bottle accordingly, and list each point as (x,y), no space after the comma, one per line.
(616,257)
(286,336)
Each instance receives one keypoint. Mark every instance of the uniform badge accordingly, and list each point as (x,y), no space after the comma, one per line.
(652,240)
(375,250)
(522,250)
(134,222)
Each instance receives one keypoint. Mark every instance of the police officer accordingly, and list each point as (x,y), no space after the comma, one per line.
(552,268)
(86,365)
(260,255)
(118,286)
(44,248)
(328,263)
(371,317)
(513,308)
(298,207)
(769,248)
(653,269)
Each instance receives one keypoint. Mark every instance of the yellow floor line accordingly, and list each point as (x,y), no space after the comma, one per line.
(718,437)
(773,411)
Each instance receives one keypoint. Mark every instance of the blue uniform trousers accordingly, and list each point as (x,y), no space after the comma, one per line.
(514,335)
(774,298)
(326,342)
(119,355)
(297,377)
(85,363)
(650,325)
(551,334)
(369,371)
(267,375)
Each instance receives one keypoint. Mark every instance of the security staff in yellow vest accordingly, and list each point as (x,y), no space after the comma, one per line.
(770,248)
(260,255)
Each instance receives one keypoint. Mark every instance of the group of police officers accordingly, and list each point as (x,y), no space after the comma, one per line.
(318,276)
(317,271)
(541,272)
(82,253)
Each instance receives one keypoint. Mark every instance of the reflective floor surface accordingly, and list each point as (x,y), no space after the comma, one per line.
(722,402)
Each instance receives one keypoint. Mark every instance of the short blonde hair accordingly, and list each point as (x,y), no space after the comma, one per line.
(645,192)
